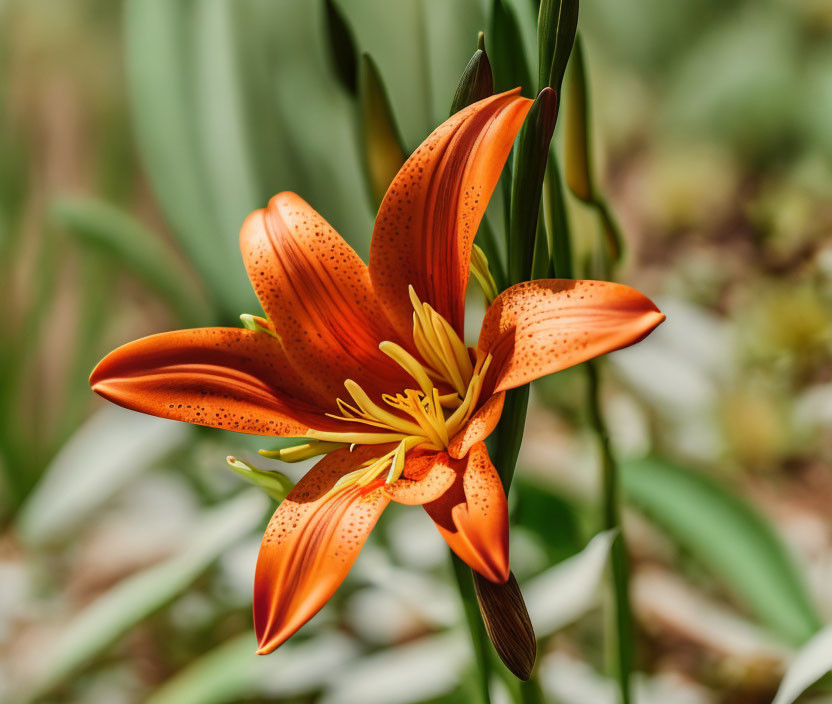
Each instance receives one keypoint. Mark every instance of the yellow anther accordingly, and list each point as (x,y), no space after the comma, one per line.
(376,415)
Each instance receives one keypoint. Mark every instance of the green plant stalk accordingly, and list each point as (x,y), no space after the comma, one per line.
(479,638)
(622,638)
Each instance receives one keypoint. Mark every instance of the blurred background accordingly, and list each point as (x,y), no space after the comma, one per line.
(134,139)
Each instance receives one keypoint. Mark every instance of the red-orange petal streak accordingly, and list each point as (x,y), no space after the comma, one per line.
(316,291)
(427,221)
(472,516)
(539,327)
(226,378)
(310,545)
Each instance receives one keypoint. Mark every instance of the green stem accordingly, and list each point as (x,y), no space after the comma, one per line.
(622,637)
(479,638)
(531,692)
(508,435)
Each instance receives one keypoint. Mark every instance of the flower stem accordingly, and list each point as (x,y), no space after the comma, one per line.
(479,638)
(622,636)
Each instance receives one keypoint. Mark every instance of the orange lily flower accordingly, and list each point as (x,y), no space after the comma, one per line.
(369,365)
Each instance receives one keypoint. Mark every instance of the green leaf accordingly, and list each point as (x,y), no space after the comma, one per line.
(225,674)
(382,149)
(221,127)
(729,537)
(342,47)
(810,664)
(531,155)
(557,23)
(476,81)
(232,672)
(102,623)
(557,222)
(136,249)
(508,56)
(163,105)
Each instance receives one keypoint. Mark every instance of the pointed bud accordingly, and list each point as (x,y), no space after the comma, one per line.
(578,164)
(557,23)
(507,623)
(275,484)
(476,81)
(577,148)
(342,46)
(255,322)
(382,149)
(482,273)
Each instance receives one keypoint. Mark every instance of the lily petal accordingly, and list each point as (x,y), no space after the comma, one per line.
(538,327)
(316,291)
(478,428)
(310,544)
(472,516)
(427,221)
(426,477)
(226,378)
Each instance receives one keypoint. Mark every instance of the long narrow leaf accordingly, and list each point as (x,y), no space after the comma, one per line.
(157,34)
(221,125)
(136,249)
(730,538)
(102,623)
(232,672)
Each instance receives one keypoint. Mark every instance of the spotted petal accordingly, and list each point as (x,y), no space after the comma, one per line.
(479,427)
(539,327)
(221,377)
(427,221)
(310,544)
(426,477)
(472,516)
(316,292)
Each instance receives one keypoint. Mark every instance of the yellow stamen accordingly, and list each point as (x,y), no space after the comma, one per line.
(407,362)
(411,418)
(298,453)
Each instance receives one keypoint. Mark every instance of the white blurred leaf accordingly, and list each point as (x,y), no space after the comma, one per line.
(232,671)
(132,600)
(106,452)
(416,672)
(811,663)
(568,680)
(562,594)
(431,599)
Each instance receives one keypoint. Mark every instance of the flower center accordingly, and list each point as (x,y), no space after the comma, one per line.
(417,417)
